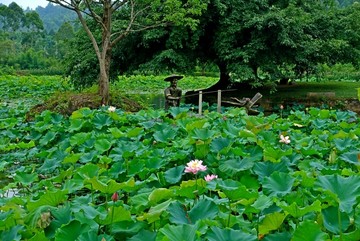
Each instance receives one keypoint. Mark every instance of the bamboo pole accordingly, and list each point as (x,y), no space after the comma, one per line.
(219,101)
(200,102)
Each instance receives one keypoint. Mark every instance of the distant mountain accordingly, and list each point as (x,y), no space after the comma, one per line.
(54,16)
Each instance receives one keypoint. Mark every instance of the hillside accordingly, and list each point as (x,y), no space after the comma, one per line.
(54,16)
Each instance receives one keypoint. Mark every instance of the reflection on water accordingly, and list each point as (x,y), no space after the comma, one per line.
(156,101)
(4,181)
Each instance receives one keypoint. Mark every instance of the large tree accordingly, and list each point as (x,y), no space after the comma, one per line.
(135,16)
(256,41)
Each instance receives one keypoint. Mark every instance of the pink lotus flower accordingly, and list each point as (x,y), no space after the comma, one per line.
(208,177)
(284,139)
(195,166)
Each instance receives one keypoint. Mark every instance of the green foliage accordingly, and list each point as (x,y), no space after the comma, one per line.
(258,42)
(54,17)
(62,172)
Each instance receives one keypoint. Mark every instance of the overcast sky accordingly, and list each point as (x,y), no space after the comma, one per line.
(26,3)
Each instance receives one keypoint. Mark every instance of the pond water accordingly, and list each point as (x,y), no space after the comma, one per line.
(4,180)
(266,104)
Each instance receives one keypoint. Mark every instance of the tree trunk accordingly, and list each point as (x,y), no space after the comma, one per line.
(103,83)
(224,81)
(105,57)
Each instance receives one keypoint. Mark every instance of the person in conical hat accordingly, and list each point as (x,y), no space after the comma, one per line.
(172,93)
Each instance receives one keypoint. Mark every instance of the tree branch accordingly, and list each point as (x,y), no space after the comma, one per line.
(117,4)
(96,17)
(64,3)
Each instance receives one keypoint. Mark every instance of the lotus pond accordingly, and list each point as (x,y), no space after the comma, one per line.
(106,174)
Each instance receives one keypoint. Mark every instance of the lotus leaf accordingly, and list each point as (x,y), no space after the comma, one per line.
(347,189)
(218,234)
(181,232)
(335,221)
(271,222)
(278,184)
(309,231)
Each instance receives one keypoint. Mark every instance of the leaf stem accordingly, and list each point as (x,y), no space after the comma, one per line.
(339,220)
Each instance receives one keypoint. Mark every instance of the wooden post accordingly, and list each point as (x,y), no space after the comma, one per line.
(219,101)
(200,102)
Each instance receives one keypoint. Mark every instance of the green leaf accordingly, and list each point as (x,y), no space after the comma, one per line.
(155,212)
(26,179)
(234,166)
(39,237)
(271,222)
(286,236)
(61,216)
(72,158)
(351,157)
(188,188)
(50,165)
(49,198)
(278,184)
(92,235)
(249,135)
(324,114)
(160,194)
(128,227)
(236,191)
(174,174)
(275,155)
(265,169)
(76,124)
(143,235)
(218,234)
(331,220)
(101,120)
(345,188)
(49,137)
(71,231)
(135,132)
(342,144)
(204,209)
(202,134)
(24,145)
(87,171)
(111,186)
(180,232)
(102,145)
(116,133)
(120,214)
(309,231)
(297,212)
(79,138)
(164,135)
(178,214)
(262,203)
(350,236)
(218,144)
(13,234)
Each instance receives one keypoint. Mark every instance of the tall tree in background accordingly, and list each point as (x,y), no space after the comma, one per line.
(136,15)
(254,42)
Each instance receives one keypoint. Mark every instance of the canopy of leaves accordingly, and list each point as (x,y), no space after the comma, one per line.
(256,41)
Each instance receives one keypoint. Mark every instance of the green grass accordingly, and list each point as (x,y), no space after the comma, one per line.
(156,84)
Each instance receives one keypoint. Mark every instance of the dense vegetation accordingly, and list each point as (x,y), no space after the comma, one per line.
(106,174)
(41,41)
(27,44)
(259,42)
